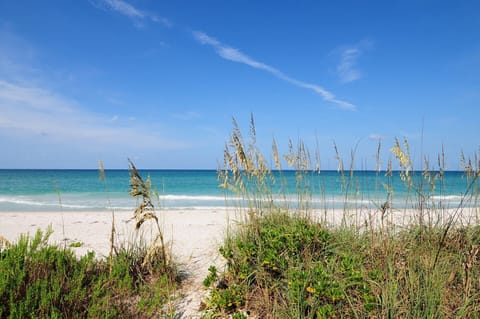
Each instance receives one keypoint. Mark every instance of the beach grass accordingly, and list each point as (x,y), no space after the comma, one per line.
(288,261)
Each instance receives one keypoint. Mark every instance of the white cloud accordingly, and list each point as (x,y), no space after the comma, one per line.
(133,13)
(33,98)
(235,55)
(125,8)
(347,69)
(37,112)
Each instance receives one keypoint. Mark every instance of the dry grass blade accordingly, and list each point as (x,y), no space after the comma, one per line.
(276,157)
(253,132)
(317,157)
(102,177)
(389,171)
(340,167)
(377,162)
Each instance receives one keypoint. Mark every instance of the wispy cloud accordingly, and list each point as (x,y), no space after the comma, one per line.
(347,69)
(135,14)
(235,55)
(16,55)
(33,98)
(39,113)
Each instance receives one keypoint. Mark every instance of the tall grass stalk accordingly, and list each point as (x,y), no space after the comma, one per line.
(102,177)
(59,196)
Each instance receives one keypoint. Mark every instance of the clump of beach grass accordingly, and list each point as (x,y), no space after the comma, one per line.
(145,211)
(282,261)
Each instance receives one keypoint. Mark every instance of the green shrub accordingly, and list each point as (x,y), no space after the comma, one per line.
(279,259)
(38,280)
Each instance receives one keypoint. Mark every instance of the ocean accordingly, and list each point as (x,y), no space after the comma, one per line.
(82,190)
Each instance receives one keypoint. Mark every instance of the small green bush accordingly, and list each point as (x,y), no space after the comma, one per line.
(278,260)
(38,280)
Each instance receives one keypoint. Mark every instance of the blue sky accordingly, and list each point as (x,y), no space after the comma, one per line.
(159,81)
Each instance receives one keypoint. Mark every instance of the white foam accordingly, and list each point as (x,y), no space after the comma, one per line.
(447,197)
(194,197)
(37,203)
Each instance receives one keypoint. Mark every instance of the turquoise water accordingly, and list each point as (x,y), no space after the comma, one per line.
(82,190)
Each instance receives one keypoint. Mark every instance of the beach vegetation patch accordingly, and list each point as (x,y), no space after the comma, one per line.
(45,281)
(284,259)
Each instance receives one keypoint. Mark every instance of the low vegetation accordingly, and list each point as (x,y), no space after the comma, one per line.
(39,280)
(288,262)
(286,266)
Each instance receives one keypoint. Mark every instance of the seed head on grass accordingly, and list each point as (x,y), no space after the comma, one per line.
(276,156)
(141,189)
(404,160)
